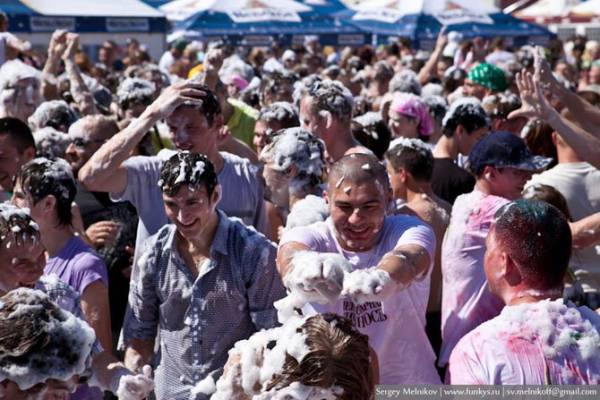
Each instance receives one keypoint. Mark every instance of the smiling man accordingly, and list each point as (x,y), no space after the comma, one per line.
(205,281)
(194,117)
(395,253)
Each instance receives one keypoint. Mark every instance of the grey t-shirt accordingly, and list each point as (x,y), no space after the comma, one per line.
(242,193)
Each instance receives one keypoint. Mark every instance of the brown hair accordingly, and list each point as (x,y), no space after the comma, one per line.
(339,356)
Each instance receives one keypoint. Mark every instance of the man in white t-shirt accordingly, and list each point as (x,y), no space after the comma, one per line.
(385,294)
(579,183)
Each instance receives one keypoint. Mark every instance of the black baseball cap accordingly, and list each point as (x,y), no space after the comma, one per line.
(504,150)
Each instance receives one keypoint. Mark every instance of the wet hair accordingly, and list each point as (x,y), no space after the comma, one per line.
(272,81)
(298,147)
(135,91)
(383,70)
(405,81)
(56,114)
(19,133)
(437,107)
(16,223)
(42,177)
(338,356)
(466,112)
(41,338)
(499,105)
(412,155)
(190,169)
(333,97)
(537,237)
(550,195)
(371,131)
(281,112)
(302,87)
(51,143)
(358,168)
(538,138)
(210,106)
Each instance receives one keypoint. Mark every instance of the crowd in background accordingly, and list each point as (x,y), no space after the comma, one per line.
(303,221)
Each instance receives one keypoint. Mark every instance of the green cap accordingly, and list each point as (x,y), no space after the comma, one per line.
(489,76)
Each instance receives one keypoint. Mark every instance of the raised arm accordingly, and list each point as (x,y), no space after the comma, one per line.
(104,171)
(585,144)
(426,72)
(81,93)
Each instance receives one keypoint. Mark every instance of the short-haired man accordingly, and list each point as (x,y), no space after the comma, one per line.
(194,117)
(391,256)
(501,164)
(464,124)
(409,166)
(326,111)
(204,282)
(538,339)
(17,147)
(275,116)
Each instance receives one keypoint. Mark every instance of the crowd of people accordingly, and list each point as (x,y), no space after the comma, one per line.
(300,223)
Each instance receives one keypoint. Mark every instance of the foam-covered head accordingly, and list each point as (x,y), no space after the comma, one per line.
(189,169)
(537,237)
(331,97)
(281,112)
(54,113)
(468,113)
(42,177)
(40,341)
(51,143)
(412,155)
(276,86)
(299,148)
(19,89)
(405,81)
(16,225)
(135,91)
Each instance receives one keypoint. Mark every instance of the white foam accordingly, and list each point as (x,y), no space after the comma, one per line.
(307,211)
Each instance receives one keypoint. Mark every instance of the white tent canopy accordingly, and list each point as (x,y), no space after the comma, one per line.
(547,9)
(590,8)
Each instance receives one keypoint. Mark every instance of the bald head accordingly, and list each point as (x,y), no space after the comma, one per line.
(358,168)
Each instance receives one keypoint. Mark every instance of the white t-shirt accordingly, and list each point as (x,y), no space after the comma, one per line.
(547,342)
(579,183)
(396,326)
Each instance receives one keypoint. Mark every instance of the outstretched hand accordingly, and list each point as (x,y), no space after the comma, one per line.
(534,103)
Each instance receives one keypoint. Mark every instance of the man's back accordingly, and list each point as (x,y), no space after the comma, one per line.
(545,342)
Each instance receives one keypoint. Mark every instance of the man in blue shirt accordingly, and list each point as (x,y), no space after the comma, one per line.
(204,281)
